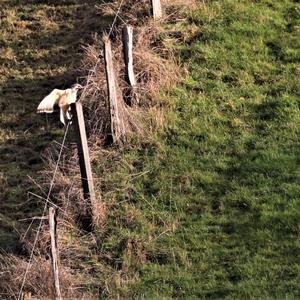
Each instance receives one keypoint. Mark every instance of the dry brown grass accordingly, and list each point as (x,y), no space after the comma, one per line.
(155,69)
(131,11)
(154,63)
(39,279)
(137,13)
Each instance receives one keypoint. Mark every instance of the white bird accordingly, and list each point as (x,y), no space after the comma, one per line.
(62,98)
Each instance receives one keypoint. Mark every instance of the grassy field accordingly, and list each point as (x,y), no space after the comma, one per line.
(208,207)
(40,50)
(216,205)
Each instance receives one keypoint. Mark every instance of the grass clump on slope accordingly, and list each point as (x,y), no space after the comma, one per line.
(219,187)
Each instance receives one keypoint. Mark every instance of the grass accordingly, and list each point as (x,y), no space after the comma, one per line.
(40,50)
(209,208)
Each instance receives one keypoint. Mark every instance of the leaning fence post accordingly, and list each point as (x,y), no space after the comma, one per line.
(117,124)
(54,254)
(157,10)
(84,157)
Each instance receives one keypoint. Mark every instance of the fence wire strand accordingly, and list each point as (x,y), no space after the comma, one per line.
(44,213)
(53,178)
(115,19)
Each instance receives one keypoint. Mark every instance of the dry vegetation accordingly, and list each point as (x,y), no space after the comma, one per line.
(39,280)
(202,201)
(80,251)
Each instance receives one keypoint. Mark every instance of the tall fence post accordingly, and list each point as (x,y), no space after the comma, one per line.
(54,254)
(84,157)
(117,124)
(157,10)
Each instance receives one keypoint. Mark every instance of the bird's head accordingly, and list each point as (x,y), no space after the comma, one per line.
(76,86)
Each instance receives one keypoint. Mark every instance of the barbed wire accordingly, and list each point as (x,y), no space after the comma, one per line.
(54,174)
(115,19)
(43,215)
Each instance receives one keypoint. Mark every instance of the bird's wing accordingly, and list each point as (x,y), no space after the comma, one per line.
(72,96)
(49,101)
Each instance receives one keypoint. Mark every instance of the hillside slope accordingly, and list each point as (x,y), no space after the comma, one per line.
(224,176)
(40,50)
(206,208)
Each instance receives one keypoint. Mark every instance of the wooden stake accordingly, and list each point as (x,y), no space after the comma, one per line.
(157,10)
(84,157)
(54,255)
(117,125)
(128,56)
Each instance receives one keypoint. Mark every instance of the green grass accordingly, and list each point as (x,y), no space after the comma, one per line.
(207,208)
(212,210)
(40,49)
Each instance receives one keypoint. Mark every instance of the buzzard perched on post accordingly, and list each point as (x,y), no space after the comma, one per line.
(62,98)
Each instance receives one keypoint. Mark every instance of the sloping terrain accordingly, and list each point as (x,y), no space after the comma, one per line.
(223,178)
(208,207)
(227,166)
(40,50)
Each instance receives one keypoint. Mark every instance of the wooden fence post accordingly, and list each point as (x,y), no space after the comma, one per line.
(128,54)
(84,157)
(117,124)
(54,254)
(157,10)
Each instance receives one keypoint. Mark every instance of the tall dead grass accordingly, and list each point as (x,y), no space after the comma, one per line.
(155,69)
(39,279)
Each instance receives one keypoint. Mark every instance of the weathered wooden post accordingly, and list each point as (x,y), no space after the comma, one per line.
(128,54)
(130,92)
(117,124)
(54,251)
(157,10)
(84,157)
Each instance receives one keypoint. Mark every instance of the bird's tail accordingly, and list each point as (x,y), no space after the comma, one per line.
(63,117)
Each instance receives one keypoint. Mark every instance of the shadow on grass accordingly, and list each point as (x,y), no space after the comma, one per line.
(20,153)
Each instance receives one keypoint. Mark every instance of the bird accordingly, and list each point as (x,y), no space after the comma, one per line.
(63,99)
